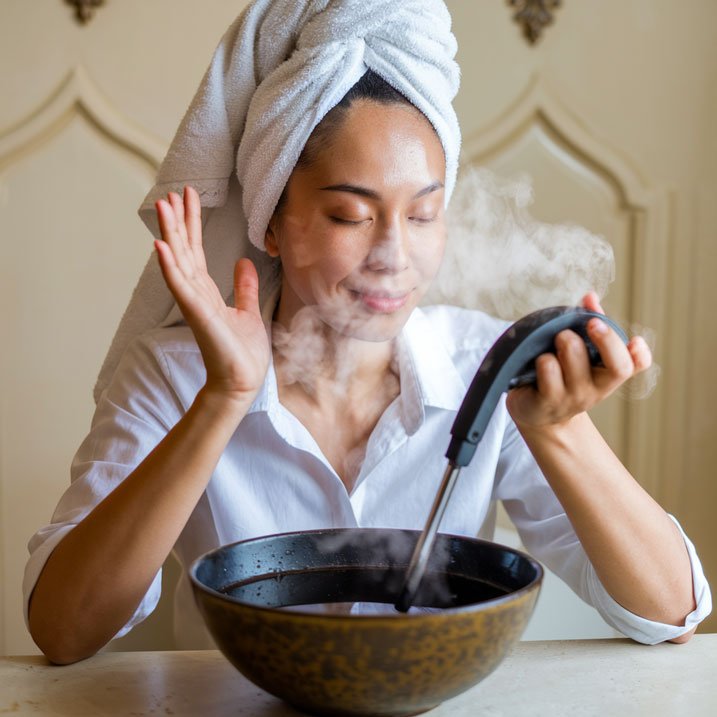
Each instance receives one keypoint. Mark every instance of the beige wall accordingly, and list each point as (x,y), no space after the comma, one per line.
(641,76)
(625,92)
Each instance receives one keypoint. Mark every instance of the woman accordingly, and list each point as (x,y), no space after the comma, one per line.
(219,430)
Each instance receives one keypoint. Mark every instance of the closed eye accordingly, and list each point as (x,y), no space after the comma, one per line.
(339,220)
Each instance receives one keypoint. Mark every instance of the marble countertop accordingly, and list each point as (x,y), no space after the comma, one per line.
(576,678)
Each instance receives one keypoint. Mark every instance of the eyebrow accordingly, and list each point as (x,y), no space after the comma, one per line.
(371,194)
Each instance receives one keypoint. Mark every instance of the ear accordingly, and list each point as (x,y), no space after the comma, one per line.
(270,241)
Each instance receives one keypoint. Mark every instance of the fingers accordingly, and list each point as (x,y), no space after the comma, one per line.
(171,272)
(591,302)
(568,379)
(174,233)
(566,370)
(246,287)
(181,227)
(193,222)
(574,361)
(549,377)
(617,359)
(566,382)
(192,215)
(640,353)
(177,206)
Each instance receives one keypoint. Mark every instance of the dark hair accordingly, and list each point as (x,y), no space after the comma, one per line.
(370,87)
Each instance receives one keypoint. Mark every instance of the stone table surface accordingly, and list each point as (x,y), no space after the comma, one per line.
(574,677)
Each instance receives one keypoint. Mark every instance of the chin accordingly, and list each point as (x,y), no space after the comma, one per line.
(374,327)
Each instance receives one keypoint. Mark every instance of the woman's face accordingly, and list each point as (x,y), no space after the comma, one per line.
(361,234)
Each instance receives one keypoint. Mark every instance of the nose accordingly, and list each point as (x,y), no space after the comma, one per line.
(389,251)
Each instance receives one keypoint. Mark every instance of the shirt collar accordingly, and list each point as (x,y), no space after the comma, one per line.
(429,376)
(427,373)
(268,396)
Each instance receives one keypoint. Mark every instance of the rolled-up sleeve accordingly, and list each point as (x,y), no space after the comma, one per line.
(648,631)
(548,535)
(133,414)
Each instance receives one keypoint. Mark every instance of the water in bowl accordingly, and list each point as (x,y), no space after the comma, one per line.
(359,590)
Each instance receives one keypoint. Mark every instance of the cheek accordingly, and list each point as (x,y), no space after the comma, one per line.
(297,250)
(428,254)
(300,244)
(317,256)
(335,266)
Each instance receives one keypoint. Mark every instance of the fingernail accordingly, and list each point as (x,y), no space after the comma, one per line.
(598,326)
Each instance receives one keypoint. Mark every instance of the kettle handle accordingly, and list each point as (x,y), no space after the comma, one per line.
(510,362)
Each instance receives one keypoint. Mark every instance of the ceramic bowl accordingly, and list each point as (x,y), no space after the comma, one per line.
(308,616)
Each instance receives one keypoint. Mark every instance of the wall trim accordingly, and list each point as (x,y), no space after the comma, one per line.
(78,94)
(75,95)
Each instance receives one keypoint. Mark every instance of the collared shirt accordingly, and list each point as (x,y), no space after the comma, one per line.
(274,478)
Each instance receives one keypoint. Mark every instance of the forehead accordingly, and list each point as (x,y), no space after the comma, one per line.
(381,145)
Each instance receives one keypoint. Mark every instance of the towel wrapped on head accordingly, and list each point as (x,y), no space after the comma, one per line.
(278,70)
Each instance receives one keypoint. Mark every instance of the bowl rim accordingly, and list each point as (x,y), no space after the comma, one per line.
(534,584)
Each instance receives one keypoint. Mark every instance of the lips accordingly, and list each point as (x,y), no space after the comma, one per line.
(381,302)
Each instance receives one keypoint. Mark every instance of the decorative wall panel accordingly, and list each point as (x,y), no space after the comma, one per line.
(577,178)
(85,9)
(71,177)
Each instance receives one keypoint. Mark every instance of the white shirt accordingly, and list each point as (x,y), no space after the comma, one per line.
(273,477)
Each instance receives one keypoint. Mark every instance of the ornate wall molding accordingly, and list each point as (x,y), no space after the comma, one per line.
(78,94)
(534,16)
(650,211)
(85,9)
(539,102)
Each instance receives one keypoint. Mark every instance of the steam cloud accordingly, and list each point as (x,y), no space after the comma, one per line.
(305,354)
(501,260)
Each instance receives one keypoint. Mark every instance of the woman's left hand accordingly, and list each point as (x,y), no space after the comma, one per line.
(567,384)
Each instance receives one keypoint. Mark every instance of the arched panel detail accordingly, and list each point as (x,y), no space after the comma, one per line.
(539,105)
(63,278)
(77,94)
(647,209)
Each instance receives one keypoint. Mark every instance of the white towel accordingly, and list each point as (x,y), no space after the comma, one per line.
(278,70)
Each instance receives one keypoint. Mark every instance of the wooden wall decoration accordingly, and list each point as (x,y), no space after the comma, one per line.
(85,9)
(534,15)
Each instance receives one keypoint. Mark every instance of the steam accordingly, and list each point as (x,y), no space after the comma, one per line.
(501,260)
(303,351)
(392,547)
(641,386)
(504,262)
(311,354)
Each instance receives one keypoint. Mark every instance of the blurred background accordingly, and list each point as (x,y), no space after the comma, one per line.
(612,111)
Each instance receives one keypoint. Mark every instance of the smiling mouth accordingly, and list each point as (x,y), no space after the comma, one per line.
(381,303)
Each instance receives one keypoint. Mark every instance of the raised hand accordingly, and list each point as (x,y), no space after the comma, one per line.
(233,340)
(567,384)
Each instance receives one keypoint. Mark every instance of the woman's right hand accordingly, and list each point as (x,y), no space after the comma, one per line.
(233,340)
(112,564)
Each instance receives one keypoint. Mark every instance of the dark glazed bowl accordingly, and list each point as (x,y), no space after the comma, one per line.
(366,664)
